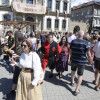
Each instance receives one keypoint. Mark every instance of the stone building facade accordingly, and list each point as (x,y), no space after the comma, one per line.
(87,14)
(54,16)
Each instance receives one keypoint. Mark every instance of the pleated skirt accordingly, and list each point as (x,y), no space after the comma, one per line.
(25,90)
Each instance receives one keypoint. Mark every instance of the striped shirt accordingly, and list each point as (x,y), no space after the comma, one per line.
(79,48)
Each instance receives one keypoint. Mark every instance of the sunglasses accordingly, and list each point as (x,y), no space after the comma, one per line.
(24,46)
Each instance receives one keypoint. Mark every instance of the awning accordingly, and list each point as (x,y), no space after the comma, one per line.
(18,24)
(28,8)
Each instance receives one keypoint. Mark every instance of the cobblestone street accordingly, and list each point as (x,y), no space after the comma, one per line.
(55,89)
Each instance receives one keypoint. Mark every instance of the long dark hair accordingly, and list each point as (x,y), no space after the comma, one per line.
(32,35)
(66,43)
(99,39)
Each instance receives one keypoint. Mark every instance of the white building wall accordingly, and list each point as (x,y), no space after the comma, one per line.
(53,18)
(45,3)
(53,9)
(10,1)
(61,6)
(1,17)
(68,6)
(53,5)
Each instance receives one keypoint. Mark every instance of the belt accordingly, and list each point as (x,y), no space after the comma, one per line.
(27,70)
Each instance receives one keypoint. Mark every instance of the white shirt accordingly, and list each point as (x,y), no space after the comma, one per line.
(54,38)
(70,38)
(96,49)
(26,62)
(33,40)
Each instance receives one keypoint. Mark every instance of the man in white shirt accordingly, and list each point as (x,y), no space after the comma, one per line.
(96,50)
(71,37)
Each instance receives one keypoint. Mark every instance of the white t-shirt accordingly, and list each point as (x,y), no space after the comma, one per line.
(96,49)
(70,38)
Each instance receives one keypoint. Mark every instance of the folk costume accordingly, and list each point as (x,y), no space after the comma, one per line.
(62,64)
(50,52)
(28,87)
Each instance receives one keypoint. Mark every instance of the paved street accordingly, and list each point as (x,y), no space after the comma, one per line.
(55,89)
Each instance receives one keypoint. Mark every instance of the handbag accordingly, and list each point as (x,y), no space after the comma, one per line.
(41,74)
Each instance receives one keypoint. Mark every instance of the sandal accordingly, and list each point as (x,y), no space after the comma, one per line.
(72,84)
(96,88)
(76,93)
(41,83)
(94,82)
(60,76)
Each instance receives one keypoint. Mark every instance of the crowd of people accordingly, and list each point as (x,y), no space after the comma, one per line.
(28,56)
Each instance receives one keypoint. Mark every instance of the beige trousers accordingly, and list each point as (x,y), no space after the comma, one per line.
(25,90)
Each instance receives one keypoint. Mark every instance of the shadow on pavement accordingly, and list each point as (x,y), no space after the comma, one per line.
(84,82)
(10,69)
(89,68)
(5,87)
(56,81)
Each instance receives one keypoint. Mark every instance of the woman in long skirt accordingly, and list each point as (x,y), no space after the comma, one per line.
(28,87)
(62,64)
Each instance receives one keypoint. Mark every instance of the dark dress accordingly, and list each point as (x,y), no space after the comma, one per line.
(62,64)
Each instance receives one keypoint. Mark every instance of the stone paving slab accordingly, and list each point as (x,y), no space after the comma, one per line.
(55,89)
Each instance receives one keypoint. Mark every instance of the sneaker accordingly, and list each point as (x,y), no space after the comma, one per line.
(51,75)
(10,94)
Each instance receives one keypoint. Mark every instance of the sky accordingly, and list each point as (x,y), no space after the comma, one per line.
(77,2)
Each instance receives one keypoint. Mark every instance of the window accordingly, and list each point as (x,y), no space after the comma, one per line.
(5,2)
(29,1)
(82,13)
(98,11)
(49,3)
(7,17)
(21,0)
(64,24)
(95,11)
(56,23)
(88,12)
(48,23)
(65,6)
(57,5)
